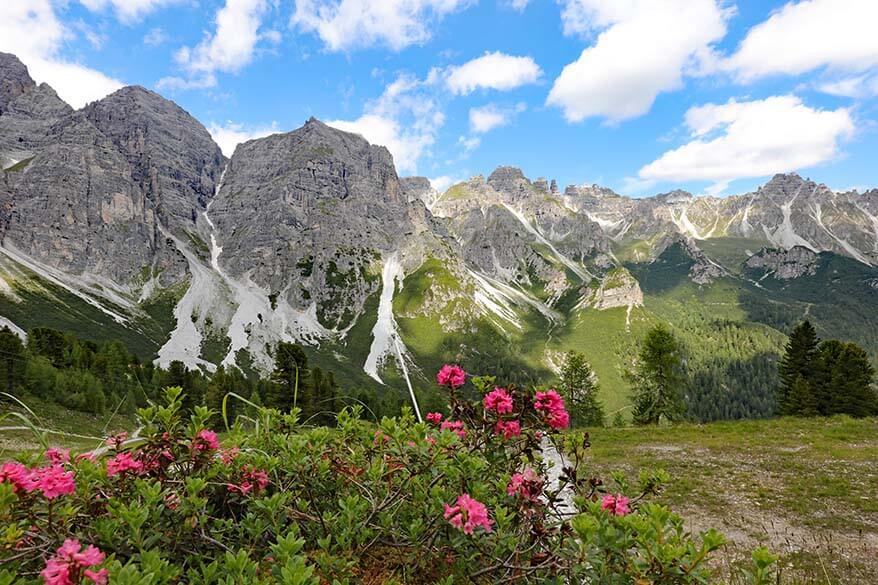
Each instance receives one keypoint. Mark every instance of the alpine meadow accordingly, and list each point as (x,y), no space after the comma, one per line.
(496,291)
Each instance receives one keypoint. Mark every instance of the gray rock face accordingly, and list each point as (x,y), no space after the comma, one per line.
(172,157)
(14,80)
(98,184)
(796,262)
(85,215)
(310,214)
(618,288)
(418,188)
(518,232)
(27,112)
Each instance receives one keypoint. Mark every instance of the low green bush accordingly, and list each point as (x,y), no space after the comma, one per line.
(467,497)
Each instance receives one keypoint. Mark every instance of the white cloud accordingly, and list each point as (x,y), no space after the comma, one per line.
(31,30)
(491,71)
(517,5)
(642,48)
(469,143)
(859,86)
(228,49)
(127,11)
(155,37)
(350,24)
(752,139)
(486,118)
(807,35)
(405,119)
(443,182)
(231,134)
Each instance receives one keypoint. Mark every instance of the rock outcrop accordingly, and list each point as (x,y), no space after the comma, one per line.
(796,262)
(28,113)
(618,288)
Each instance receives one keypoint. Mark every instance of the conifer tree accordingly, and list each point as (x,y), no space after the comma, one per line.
(578,386)
(798,360)
(847,376)
(657,380)
(290,375)
(801,399)
(11,358)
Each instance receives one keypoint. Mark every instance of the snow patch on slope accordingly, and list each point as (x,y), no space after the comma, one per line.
(4,322)
(385,339)
(76,286)
(574,267)
(498,297)
(817,215)
(785,235)
(184,344)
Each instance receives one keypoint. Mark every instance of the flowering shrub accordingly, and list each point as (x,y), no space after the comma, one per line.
(469,496)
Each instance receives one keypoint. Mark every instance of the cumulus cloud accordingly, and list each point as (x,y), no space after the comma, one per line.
(518,5)
(228,49)
(155,37)
(352,24)
(640,50)
(486,118)
(31,30)
(231,134)
(127,11)
(807,35)
(858,86)
(490,71)
(405,119)
(752,139)
(443,182)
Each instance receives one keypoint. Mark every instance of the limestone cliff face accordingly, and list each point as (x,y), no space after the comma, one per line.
(171,156)
(618,288)
(99,185)
(27,113)
(789,264)
(310,214)
(521,232)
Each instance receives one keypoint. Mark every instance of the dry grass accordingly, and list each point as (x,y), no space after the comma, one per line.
(808,489)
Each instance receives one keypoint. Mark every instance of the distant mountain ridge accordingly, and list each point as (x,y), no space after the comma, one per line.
(126,216)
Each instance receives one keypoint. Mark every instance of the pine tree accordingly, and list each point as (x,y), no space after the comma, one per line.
(656,380)
(290,377)
(801,399)
(850,389)
(798,360)
(579,387)
(12,358)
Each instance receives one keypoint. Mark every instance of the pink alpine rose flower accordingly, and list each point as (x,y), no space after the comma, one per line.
(21,478)
(452,376)
(454,426)
(467,514)
(205,440)
(527,485)
(57,456)
(499,401)
(551,405)
(434,418)
(617,504)
(508,429)
(123,463)
(70,565)
(53,481)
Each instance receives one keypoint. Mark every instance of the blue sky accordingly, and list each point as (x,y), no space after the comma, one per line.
(642,96)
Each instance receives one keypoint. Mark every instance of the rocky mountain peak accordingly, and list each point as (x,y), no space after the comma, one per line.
(172,155)
(507,179)
(14,79)
(675,196)
(782,264)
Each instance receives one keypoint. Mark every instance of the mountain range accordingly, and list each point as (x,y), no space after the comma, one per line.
(124,220)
